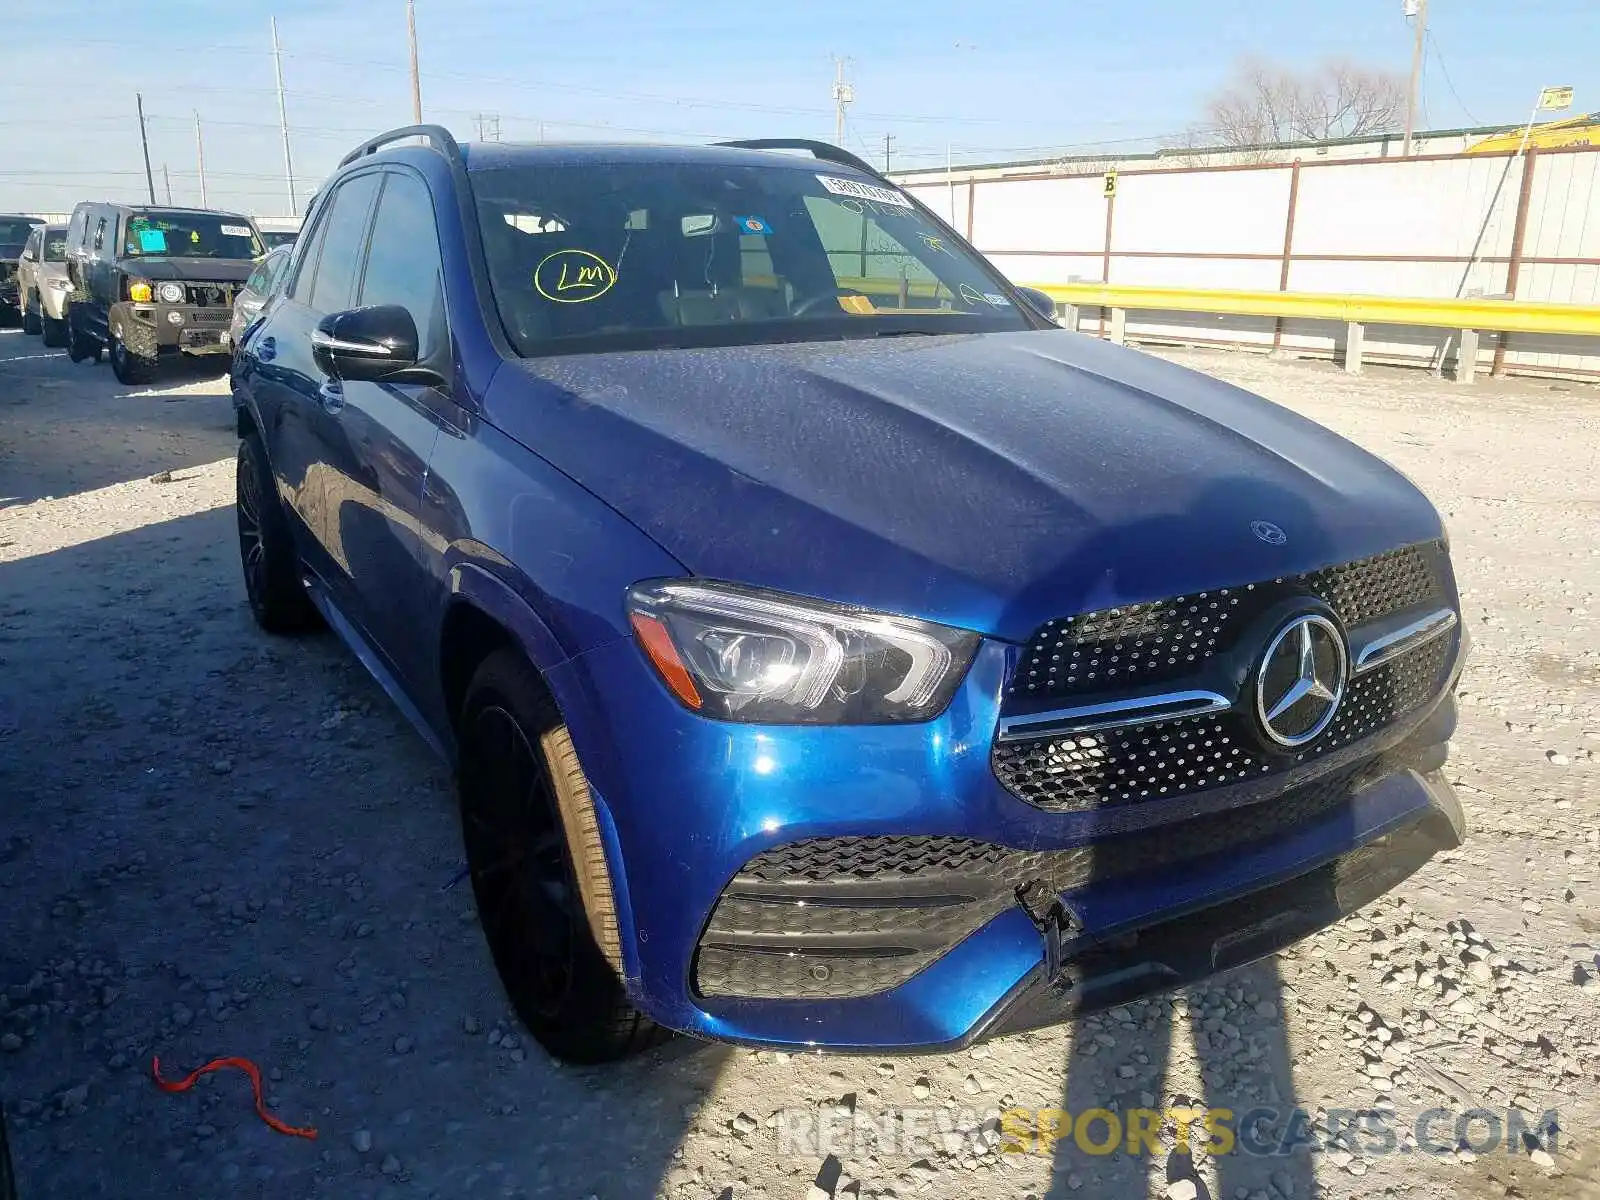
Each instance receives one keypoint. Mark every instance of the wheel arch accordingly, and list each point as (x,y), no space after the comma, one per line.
(484,614)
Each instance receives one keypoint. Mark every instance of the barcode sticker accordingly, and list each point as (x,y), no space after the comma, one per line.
(862,191)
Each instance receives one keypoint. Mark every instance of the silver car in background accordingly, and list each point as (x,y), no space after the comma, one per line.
(253,295)
(43,289)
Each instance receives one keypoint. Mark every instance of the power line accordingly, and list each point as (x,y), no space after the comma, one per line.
(1438,55)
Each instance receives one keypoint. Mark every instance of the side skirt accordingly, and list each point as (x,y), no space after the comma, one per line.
(373,662)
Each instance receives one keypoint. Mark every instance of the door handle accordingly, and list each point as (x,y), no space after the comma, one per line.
(331,393)
(267,349)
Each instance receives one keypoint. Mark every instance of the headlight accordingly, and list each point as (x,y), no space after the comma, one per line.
(741,654)
(171,293)
(139,291)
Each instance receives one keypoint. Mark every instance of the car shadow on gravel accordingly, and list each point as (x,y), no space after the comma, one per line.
(1130,1087)
(220,843)
(57,443)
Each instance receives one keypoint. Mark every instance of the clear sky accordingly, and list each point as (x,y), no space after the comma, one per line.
(992,78)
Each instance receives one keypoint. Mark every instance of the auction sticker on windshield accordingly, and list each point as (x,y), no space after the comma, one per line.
(862,191)
(235,231)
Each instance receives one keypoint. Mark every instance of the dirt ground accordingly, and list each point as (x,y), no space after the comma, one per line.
(217,843)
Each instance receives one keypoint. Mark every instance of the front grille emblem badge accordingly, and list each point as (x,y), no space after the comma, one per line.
(1301,680)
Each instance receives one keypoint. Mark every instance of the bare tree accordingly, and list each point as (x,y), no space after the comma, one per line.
(1266,103)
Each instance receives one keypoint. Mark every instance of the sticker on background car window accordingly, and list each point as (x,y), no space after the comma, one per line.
(753,225)
(152,241)
(235,230)
(933,242)
(573,277)
(863,191)
(996,299)
(970,294)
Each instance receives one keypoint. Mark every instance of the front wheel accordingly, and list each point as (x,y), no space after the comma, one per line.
(30,314)
(129,367)
(538,870)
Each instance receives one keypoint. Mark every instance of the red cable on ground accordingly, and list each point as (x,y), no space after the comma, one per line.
(240,1064)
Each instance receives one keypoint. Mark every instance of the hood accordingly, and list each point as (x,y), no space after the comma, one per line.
(196,270)
(988,481)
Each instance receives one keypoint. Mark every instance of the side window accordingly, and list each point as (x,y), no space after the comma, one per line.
(30,249)
(404,264)
(100,234)
(304,255)
(339,259)
(257,282)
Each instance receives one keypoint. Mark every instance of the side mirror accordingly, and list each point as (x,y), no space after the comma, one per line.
(1041,302)
(377,344)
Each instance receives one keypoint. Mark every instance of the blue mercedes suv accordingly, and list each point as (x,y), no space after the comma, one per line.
(831,651)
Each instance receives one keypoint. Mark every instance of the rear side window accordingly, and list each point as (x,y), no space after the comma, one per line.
(404,262)
(100,234)
(339,257)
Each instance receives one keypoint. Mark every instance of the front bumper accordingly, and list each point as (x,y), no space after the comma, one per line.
(687,804)
(153,329)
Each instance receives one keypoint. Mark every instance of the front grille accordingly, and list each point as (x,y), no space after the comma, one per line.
(853,916)
(214,318)
(1085,771)
(1139,645)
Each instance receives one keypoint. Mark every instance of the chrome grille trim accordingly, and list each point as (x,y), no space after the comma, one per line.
(1379,648)
(1113,714)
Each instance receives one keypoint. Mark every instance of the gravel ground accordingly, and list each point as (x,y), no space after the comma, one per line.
(217,843)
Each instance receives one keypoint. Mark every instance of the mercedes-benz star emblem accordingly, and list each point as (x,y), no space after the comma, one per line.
(1301,680)
(1269,533)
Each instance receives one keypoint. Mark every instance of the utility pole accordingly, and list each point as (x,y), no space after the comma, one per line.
(888,138)
(166,181)
(144,140)
(843,94)
(200,158)
(283,117)
(416,78)
(1418,11)
(488,126)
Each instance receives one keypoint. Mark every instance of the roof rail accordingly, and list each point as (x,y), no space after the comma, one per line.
(436,136)
(823,150)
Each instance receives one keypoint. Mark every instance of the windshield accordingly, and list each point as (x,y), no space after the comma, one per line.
(13,232)
(189,235)
(622,256)
(273,239)
(55,245)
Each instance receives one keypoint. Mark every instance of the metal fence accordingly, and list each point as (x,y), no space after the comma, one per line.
(1525,226)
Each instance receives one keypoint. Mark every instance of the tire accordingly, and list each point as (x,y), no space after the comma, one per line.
(30,315)
(55,332)
(80,345)
(8,1181)
(272,584)
(538,870)
(128,367)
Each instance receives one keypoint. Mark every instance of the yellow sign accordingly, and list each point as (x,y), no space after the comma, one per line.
(1556,98)
(1111,183)
(573,277)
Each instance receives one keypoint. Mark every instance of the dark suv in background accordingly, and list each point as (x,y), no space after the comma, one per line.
(151,282)
(14,232)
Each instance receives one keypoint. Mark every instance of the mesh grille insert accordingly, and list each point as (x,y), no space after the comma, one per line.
(1168,758)
(1143,644)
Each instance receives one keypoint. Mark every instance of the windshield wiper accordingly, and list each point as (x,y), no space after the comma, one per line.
(904,333)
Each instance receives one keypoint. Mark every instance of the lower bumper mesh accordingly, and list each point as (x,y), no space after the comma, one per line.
(848,917)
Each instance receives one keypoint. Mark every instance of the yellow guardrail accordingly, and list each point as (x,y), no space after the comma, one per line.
(1506,316)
